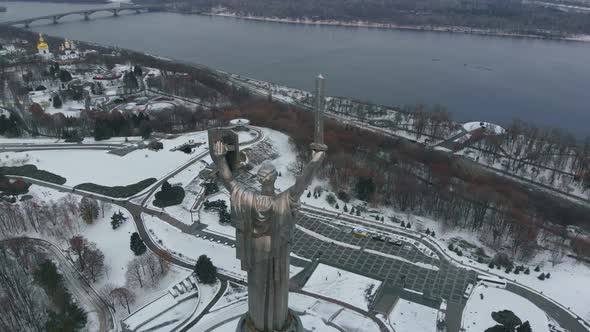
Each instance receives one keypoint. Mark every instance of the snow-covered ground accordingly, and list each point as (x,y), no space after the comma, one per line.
(342,285)
(168,312)
(315,315)
(411,316)
(477,315)
(190,247)
(114,243)
(493,128)
(100,167)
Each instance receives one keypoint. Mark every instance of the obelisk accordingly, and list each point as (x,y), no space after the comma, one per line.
(319,105)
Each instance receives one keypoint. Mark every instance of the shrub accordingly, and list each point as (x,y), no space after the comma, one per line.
(169,196)
(344,196)
(331,199)
(117,191)
(205,270)
(137,245)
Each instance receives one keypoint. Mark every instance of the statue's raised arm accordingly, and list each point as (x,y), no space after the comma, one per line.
(219,152)
(304,179)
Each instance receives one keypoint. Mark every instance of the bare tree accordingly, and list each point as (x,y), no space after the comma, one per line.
(94,261)
(124,296)
(106,293)
(557,255)
(88,209)
(79,245)
(135,273)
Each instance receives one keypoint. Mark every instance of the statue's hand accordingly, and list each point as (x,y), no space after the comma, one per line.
(219,149)
(318,156)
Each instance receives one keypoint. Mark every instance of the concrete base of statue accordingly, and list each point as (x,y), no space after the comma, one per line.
(294,325)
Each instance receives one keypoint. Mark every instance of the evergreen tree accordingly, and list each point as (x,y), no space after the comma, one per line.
(308,194)
(224,217)
(382,219)
(537,269)
(451,247)
(432,233)
(364,188)
(527,271)
(47,276)
(337,206)
(427,231)
(408,225)
(491,265)
(117,219)
(345,209)
(65,76)
(547,275)
(525,327)
(137,71)
(358,212)
(137,245)
(57,103)
(205,270)
(541,276)
(130,81)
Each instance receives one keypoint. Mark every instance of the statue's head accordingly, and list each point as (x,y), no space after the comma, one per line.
(267,174)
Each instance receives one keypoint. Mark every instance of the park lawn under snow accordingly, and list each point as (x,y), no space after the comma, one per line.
(477,315)
(100,167)
(411,316)
(342,285)
(114,244)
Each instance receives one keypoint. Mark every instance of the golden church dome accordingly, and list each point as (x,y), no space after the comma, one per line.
(42,45)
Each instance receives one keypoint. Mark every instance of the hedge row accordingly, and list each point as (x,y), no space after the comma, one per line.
(117,191)
(31,171)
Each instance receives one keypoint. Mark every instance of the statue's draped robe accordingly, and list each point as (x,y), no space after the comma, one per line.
(264,227)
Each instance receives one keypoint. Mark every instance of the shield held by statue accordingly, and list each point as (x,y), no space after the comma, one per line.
(231,140)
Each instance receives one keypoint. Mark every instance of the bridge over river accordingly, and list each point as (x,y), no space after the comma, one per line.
(86,13)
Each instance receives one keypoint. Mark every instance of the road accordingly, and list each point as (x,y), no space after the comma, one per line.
(80,289)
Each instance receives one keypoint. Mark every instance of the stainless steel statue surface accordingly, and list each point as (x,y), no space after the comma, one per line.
(265,222)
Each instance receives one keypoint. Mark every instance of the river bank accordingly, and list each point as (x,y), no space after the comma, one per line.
(365,24)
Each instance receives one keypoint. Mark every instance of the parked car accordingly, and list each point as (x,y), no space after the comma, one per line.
(395,242)
(378,238)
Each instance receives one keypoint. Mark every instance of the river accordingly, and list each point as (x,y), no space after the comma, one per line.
(475,77)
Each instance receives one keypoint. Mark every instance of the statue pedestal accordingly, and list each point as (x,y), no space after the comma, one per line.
(294,324)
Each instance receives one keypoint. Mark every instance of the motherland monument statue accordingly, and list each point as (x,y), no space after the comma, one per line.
(265,223)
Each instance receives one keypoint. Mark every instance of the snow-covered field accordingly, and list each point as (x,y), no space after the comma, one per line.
(411,316)
(342,285)
(190,247)
(114,243)
(477,313)
(318,313)
(100,167)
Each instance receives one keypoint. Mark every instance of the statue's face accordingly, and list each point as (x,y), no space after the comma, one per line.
(267,174)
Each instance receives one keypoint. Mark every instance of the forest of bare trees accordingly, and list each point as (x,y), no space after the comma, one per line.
(23,302)
(413,178)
